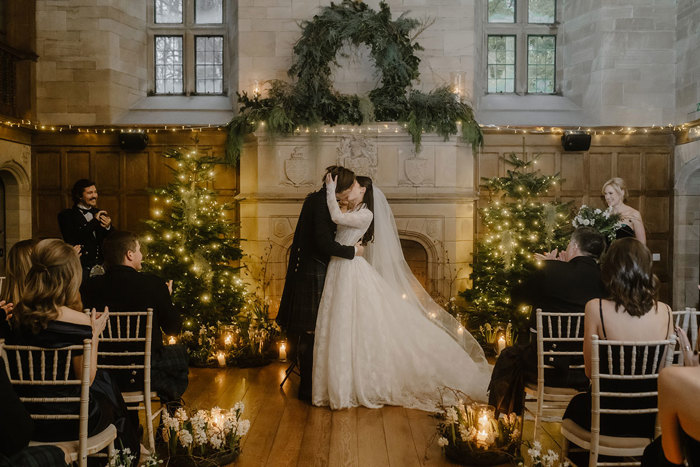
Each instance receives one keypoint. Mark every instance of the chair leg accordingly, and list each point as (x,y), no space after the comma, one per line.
(110,450)
(149,422)
(538,417)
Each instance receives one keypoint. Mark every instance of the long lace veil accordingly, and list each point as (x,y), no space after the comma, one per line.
(386,256)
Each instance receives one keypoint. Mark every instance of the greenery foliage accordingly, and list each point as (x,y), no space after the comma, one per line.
(517,224)
(311,100)
(191,240)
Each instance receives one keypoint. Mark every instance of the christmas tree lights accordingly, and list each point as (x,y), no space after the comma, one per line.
(191,240)
(516,224)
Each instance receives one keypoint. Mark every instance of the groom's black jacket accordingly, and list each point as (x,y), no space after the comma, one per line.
(313,245)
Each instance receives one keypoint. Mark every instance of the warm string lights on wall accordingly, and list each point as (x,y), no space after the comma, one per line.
(374,128)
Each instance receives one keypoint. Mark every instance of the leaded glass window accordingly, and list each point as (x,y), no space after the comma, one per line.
(208,11)
(501,64)
(169,64)
(168,11)
(209,68)
(501,11)
(541,64)
(541,11)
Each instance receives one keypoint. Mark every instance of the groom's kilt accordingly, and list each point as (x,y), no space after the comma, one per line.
(302,295)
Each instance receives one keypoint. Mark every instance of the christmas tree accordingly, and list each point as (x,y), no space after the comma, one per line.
(192,241)
(517,224)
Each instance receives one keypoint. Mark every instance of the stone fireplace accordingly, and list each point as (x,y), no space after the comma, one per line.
(431,193)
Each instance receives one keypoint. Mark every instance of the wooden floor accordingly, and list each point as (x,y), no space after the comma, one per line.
(287,432)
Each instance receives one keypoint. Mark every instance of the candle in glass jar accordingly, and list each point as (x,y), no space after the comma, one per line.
(283,352)
(501,344)
(221,358)
(172,340)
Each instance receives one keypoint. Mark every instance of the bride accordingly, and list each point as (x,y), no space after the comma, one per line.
(380,338)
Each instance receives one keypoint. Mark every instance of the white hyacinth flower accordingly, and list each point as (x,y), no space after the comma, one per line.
(442,442)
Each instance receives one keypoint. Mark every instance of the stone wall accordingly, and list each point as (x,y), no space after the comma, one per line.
(687,61)
(16,176)
(268,30)
(619,59)
(686,265)
(92,63)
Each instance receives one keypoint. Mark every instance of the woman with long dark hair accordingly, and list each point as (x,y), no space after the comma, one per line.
(630,313)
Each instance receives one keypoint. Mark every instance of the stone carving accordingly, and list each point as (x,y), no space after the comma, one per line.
(297,168)
(416,169)
(358,154)
(433,228)
(280,228)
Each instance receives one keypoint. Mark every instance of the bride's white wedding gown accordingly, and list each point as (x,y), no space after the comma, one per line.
(374,347)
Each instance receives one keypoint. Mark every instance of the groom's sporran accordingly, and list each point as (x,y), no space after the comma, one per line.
(313,245)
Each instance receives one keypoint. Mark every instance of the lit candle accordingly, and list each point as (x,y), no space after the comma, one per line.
(172,340)
(221,358)
(228,339)
(501,344)
(283,352)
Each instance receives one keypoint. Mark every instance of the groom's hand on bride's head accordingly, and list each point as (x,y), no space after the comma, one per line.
(359,249)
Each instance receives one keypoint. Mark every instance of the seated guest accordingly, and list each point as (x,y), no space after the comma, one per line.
(48,316)
(563,284)
(631,313)
(124,288)
(679,417)
(18,264)
(16,429)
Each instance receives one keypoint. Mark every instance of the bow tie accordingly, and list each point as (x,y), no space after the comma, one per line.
(84,211)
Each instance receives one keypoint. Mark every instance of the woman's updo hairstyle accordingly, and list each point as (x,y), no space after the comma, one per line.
(618,185)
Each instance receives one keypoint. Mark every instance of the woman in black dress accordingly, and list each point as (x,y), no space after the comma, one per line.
(631,313)
(615,192)
(47,316)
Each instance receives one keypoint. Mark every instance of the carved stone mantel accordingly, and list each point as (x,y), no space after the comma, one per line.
(432,192)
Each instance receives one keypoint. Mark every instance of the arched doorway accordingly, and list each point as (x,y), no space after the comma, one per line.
(686,245)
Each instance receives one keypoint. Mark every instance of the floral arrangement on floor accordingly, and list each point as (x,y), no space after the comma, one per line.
(497,337)
(605,222)
(470,433)
(204,438)
(537,459)
(124,458)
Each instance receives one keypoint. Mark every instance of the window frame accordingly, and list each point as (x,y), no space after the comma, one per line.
(189,30)
(521,29)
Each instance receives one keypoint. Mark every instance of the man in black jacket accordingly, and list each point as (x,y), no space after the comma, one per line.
(85,225)
(313,245)
(564,283)
(124,288)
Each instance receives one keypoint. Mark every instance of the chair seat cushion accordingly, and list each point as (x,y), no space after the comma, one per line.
(620,442)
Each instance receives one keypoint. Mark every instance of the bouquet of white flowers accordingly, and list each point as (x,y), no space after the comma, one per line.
(206,437)
(605,222)
(537,459)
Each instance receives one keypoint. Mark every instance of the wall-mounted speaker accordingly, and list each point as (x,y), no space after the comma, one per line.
(133,141)
(576,141)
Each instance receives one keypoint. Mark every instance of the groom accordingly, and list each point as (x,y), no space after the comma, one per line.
(313,245)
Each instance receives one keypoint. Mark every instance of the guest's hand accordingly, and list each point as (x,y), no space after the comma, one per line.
(104,219)
(549,255)
(99,321)
(7,308)
(331,182)
(78,249)
(170,286)
(359,249)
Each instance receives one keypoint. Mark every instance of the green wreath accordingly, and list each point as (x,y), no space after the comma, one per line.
(312,99)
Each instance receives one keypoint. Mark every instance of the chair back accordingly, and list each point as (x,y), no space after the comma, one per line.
(559,338)
(624,378)
(688,321)
(43,378)
(125,345)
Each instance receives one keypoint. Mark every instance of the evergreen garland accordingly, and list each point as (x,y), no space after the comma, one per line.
(517,224)
(311,100)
